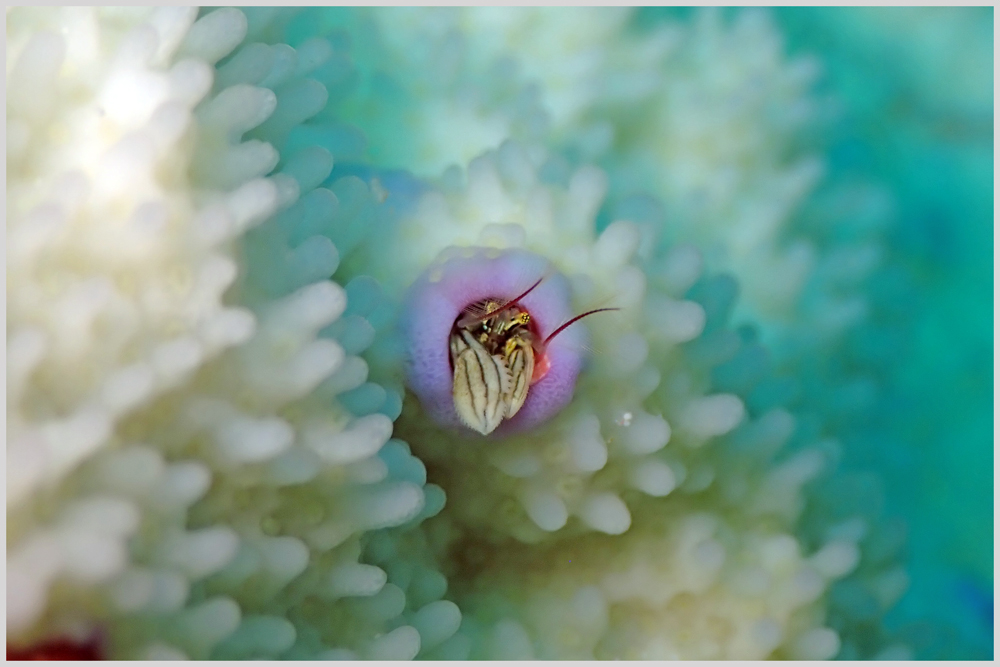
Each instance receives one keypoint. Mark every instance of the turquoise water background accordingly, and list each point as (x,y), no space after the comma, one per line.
(918,89)
(916,86)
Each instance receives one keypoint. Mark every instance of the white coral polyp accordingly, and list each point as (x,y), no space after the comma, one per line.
(111,298)
(161,443)
(615,497)
(107,282)
(550,472)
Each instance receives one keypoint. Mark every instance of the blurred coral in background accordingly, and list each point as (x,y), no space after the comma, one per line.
(777,447)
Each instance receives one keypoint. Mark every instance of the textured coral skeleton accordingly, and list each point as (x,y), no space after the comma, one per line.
(234,417)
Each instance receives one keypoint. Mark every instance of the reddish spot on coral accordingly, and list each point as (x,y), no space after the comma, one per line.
(542,366)
(58,649)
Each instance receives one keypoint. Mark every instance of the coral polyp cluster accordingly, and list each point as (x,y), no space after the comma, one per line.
(620,514)
(177,464)
(240,242)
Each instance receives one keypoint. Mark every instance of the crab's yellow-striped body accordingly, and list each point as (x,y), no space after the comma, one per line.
(493,359)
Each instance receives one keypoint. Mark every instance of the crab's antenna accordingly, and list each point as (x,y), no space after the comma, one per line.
(566,324)
(475,312)
(522,294)
(470,318)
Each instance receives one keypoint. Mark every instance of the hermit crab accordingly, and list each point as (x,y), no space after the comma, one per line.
(485,352)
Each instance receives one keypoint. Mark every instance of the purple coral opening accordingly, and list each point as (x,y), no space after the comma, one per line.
(462,277)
